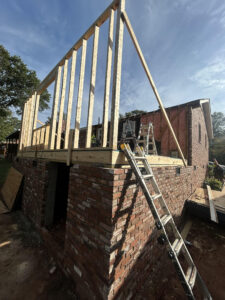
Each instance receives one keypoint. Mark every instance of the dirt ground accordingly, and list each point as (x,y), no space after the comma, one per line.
(25,265)
(208,252)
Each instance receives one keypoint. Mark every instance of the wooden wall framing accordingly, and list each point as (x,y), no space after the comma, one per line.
(51,136)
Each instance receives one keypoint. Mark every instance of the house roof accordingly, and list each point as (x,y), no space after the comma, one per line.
(15,135)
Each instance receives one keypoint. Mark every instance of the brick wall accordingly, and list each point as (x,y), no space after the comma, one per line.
(110,244)
(135,252)
(178,119)
(185,121)
(34,188)
(199,148)
(89,229)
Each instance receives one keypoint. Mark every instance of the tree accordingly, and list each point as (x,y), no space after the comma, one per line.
(17,83)
(132,113)
(8,124)
(216,150)
(218,122)
(217,145)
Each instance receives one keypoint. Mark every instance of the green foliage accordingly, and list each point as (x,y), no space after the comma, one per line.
(217,145)
(17,83)
(211,170)
(217,150)
(214,183)
(218,122)
(8,124)
(132,113)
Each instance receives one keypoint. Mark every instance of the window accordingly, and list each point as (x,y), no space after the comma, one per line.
(199,133)
(178,171)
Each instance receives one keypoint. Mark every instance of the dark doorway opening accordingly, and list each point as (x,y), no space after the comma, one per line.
(61,196)
(56,203)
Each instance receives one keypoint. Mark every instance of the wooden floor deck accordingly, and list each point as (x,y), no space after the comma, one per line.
(99,156)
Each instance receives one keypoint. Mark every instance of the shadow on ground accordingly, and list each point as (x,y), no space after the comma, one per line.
(25,265)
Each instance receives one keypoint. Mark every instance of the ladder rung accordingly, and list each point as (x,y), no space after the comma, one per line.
(147,176)
(191,275)
(154,197)
(165,219)
(177,245)
(139,157)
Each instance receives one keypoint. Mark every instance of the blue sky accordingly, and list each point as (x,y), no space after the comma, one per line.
(183,43)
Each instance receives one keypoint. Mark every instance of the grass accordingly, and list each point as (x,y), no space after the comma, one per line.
(4,168)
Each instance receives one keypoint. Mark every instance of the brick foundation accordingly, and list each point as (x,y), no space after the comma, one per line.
(110,241)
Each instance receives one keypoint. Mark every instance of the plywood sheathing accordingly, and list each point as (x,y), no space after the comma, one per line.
(11,187)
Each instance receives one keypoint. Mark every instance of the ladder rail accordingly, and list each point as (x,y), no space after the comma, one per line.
(192,276)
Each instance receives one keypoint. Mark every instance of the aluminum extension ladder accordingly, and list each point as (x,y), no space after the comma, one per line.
(146,138)
(138,162)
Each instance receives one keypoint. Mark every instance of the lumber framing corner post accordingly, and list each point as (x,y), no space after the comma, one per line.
(31,125)
(22,127)
(36,110)
(55,109)
(70,99)
(61,109)
(117,77)
(80,94)
(27,122)
(92,87)
(105,116)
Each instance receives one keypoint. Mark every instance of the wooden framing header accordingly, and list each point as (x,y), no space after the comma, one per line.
(103,17)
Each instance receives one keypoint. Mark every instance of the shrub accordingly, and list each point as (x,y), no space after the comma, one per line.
(214,183)
(211,170)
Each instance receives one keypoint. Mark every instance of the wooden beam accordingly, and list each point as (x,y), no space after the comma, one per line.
(70,146)
(22,127)
(27,122)
(61,109)
(107,80)
(38,136)
(42,135)
(186,229)
(117,77)
(103,17)
(47,131)
(34,142)
(80,95)
(55,109)
(31,122)
(98,156)
(70,99)
(36,111)
(213,214)
(92,87)
(40,122)
(165,127)
(145,66)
